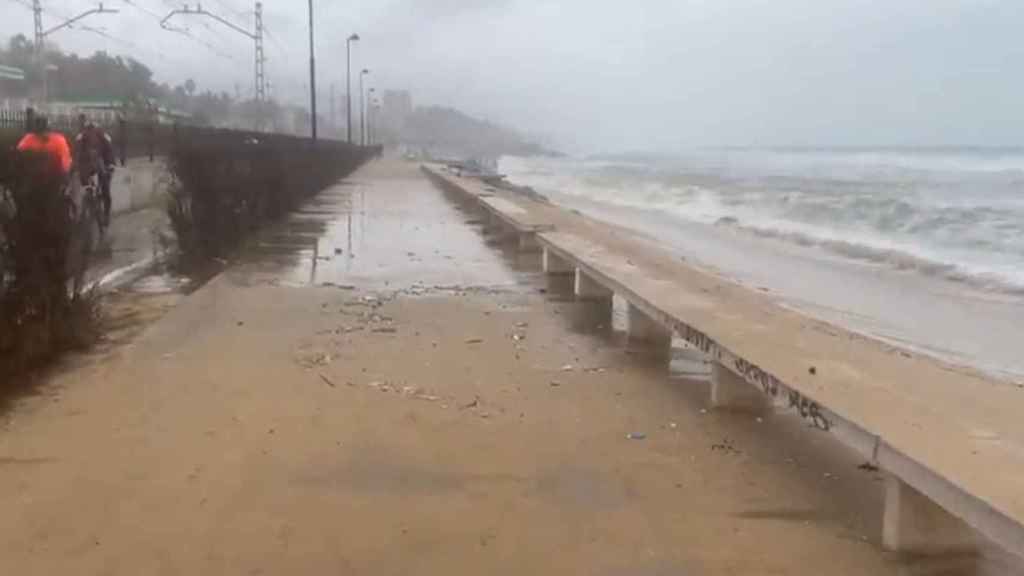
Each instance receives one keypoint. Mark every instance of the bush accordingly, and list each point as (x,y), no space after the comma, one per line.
(42,310)
(228,183)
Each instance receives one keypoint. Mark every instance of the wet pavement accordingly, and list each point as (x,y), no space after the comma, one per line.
(377,234)
(133,243)
(423,401)
(353,235)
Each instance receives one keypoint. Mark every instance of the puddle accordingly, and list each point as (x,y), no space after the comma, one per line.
(399,234)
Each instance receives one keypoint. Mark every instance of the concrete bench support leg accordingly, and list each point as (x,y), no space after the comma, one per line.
(913,523)
(730,391)
(645,330)
(528,242)
(589,289)
(554,264)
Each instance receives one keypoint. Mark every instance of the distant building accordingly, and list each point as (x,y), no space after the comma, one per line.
(12,88)
(108,111)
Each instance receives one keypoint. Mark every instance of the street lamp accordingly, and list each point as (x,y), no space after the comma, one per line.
(372,115)
(348,81)
(312,73)
(362,106)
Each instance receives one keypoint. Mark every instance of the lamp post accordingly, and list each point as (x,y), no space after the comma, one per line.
(362,106)
(371,115)
(312,73)
(348,81)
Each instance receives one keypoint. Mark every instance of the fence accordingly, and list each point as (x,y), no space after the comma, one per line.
(132,138)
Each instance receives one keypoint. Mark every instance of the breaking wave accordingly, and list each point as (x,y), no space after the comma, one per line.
(954,215)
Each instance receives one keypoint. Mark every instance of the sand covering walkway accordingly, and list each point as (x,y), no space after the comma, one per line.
(389,424)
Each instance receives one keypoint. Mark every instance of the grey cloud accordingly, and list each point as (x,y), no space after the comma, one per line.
(646,74)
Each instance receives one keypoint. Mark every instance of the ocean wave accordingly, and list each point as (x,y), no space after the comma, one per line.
(965,227)
(897,259)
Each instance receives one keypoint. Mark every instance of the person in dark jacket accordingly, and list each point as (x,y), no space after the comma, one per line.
(94,154)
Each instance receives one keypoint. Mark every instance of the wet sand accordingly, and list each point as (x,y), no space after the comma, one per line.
(419,402)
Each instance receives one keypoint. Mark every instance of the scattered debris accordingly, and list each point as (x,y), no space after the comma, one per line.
(316,359)
(868,467)
(725,446)
(555,383)
(703,411)
(338,251)
(522,324)
(519,337)
(327,381)
(473,404)
(475,341)
(636,436)
(385,330)
(812,370)
(240,323)
(338,286)
(568,368)
(672,425)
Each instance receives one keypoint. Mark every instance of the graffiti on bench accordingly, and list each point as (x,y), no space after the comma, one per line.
(809,410)
(699,340)
(752,373)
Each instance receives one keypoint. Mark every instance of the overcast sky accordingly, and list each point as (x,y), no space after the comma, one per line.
(596,75)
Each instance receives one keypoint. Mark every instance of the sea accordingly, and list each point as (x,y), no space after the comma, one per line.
(921,247)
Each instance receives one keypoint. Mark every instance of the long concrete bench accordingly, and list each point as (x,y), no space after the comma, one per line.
(511,219)
(954,468)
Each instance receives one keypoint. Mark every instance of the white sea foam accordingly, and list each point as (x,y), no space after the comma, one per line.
(958,215)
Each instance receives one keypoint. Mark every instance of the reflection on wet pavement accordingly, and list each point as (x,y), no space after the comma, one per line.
(399,234)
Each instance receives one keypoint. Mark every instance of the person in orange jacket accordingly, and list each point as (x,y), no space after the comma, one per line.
(53,144)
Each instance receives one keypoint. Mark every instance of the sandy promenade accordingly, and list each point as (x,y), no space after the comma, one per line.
(418,402)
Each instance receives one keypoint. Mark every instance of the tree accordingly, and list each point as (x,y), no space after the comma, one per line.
(190,87)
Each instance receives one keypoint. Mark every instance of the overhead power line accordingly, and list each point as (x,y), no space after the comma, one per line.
(256,36)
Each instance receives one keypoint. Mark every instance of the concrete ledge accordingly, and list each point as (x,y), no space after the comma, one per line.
(646,331)
(913,523)
(730,391)
(528,242)
(589,288)
(555,264)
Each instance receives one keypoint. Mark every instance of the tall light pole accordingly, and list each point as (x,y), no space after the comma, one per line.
(369,117)
(41,34)
(362,106)
(348,87)
(312,73)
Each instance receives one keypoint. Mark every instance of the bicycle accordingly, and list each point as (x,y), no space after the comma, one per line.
(87,218)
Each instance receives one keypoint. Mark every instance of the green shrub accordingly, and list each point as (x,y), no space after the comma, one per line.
(42,311)
(229,183)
